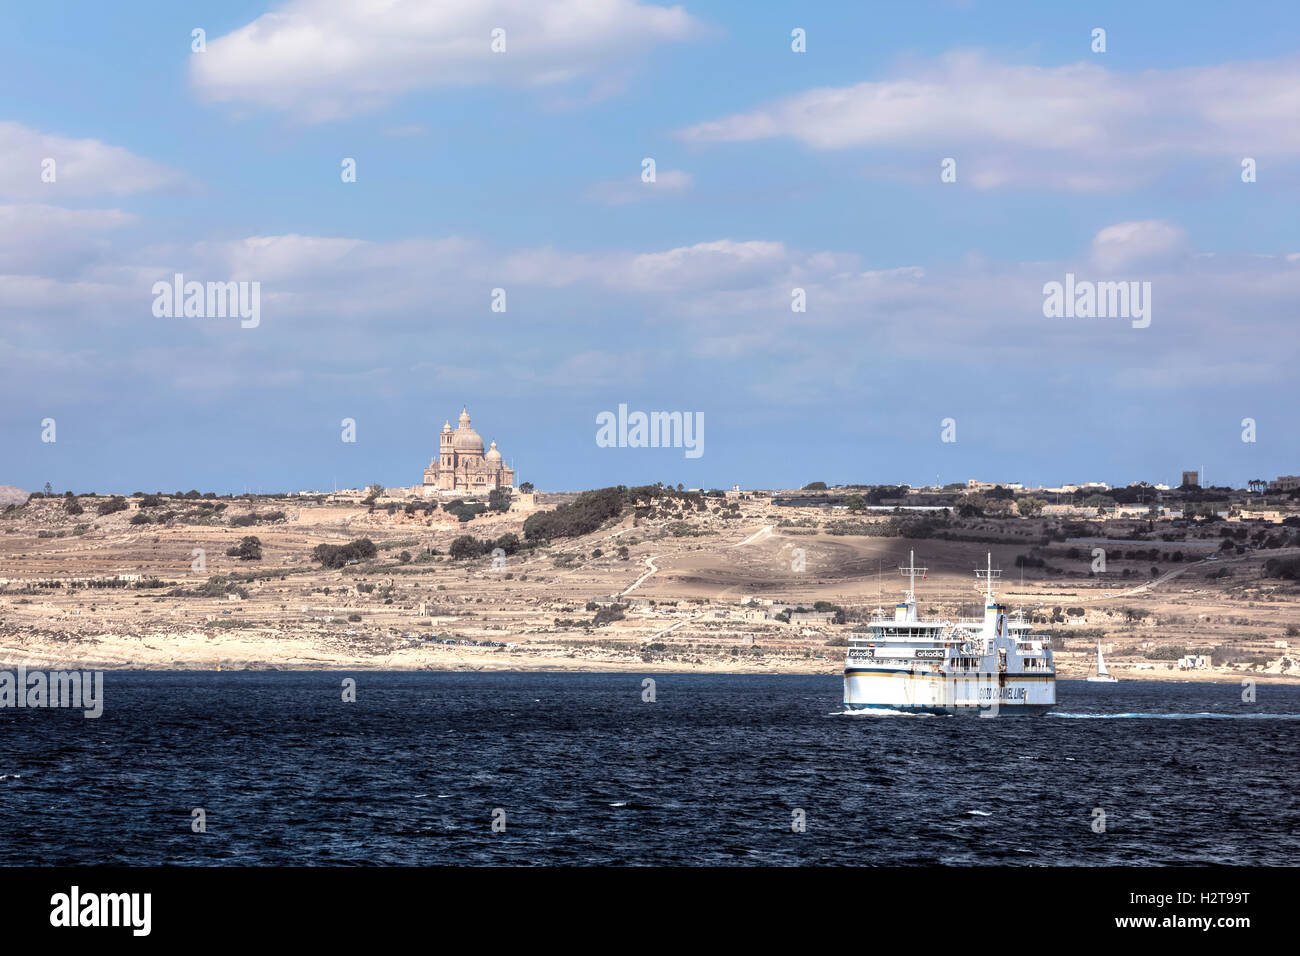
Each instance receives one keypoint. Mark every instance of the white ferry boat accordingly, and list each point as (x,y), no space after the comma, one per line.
(987,667)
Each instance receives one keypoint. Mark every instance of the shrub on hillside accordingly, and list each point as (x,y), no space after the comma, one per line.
(466,546)
(339,555)
(1227,654)
(248,549)
(588,512)
(111,505)
(253,517)
(613,612)
(1288,569)
(464,511)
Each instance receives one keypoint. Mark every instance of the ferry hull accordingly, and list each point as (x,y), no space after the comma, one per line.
(1007,710)
(988,694)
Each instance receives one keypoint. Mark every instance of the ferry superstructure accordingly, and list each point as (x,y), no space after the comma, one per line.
(991,667)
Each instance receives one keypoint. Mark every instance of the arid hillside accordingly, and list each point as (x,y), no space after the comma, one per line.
(669,581)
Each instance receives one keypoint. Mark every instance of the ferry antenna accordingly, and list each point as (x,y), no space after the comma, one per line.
(911,571)
(880,589)
(988,575)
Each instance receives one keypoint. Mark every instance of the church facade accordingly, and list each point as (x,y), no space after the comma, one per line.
(463,466)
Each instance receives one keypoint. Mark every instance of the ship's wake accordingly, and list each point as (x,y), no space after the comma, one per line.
(1200,716)
(878,712)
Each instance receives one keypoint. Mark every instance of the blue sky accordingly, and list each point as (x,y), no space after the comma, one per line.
(521,170)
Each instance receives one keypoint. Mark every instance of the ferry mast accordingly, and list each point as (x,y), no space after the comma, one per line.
(989,575)
(907,610)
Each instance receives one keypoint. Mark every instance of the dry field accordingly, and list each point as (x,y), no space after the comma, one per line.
(684,584)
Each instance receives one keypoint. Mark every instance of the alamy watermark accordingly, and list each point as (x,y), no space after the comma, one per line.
(651,430)
(76,908)
(83,689)
(1085,299)
(208,300)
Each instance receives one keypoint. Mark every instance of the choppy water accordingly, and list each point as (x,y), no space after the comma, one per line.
(586,772)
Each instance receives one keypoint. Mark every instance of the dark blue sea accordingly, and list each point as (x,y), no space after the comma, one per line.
(586,772)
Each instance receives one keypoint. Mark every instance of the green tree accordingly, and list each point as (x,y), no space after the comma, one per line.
(336,555)
(612,612)
(584,515)
(466,546)
(248,549)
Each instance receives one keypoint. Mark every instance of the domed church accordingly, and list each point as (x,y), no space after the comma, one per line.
(461,464)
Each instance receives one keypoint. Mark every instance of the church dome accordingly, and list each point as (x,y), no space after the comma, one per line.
(468,441)
(493,454)
(465,439)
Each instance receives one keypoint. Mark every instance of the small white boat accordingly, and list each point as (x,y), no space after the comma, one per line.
(1103,676)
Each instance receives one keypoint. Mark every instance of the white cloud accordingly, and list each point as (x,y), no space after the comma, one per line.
(672,270)
(701,265)
(1079,126)
(82,167)
(336,304)
(1144,243)
(47,240)
(268,258)
(323,59)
